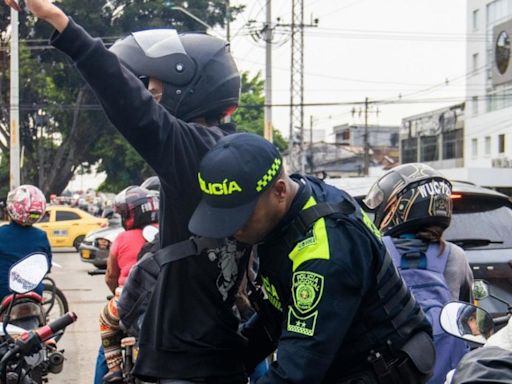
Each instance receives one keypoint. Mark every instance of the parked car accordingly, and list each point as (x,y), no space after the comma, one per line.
(481,224)
(67,226)
(96,245)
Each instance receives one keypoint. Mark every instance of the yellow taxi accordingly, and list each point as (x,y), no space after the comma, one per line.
(67,226)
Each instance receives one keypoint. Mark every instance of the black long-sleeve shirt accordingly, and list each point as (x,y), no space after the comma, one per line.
(190,329)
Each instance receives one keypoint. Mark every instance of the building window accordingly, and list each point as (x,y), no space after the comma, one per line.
(410,150)
(501,143)
(487,148)
(429,150)
(475,63)
(474,148)
(475,20)
(474,105)
(453,144)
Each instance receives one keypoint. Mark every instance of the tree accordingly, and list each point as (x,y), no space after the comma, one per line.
(250,115)
(74,128)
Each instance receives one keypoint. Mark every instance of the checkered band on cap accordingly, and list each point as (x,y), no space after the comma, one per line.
(269,176)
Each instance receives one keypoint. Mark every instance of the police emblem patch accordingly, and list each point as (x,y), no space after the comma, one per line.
(307,288)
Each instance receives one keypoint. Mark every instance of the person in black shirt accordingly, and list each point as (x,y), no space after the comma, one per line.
(190,331)
(336,309)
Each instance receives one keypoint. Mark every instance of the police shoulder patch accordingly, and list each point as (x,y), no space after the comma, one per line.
(307,289)
(305,325)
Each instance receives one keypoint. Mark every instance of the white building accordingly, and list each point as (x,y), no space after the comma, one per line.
(488,114)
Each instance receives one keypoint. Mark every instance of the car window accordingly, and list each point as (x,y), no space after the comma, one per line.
(481,218)
(65,215)
(45,218)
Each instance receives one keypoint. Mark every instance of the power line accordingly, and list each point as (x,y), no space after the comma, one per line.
(287,105)
(357,2)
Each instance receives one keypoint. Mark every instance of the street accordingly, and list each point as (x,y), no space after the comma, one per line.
(86,296)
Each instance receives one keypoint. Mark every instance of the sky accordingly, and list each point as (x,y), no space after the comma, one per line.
(361,48)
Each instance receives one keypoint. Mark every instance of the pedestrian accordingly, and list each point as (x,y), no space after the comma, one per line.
(413,207)
(337,309)
(190,331)
(25,206)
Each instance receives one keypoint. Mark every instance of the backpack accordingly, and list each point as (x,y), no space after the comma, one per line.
(423,273)
(139,285)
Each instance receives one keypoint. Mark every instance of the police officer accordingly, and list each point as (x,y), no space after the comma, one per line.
(172,118)
(337,310)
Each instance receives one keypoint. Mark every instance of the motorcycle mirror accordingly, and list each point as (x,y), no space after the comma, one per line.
(27,274)
(467,322)
(480,289)
(149,232)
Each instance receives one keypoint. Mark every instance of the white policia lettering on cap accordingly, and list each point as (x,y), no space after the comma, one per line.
(224,188)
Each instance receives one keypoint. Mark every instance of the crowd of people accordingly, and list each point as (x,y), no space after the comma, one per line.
(296,265)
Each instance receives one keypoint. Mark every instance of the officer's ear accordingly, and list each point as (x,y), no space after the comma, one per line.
(280,190)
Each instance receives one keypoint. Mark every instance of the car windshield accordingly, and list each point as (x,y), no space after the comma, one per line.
(481,218)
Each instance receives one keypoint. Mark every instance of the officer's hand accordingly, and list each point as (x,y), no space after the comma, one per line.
(44,10)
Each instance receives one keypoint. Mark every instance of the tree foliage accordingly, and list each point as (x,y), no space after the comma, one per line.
(61,125)
(250,116)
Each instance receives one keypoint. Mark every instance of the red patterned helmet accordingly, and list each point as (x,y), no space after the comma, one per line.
(26,204)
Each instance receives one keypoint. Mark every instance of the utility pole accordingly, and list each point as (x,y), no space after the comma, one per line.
(311,155)
(366,135)
(297,160)
(228,22)
(14,113)
(366,145)
(267,128)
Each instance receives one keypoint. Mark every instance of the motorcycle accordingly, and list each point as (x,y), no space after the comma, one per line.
(17,362)
(24,309)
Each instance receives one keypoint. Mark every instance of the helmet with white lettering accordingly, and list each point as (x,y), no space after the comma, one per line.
(137,207)
(409,198)
(198,72)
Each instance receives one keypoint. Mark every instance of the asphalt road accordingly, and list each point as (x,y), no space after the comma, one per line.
(86,296)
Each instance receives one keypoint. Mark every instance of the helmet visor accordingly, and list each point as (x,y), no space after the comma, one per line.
(375,197)
(159,42)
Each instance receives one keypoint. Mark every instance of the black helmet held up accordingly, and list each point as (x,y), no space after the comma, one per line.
(137,206)
(410,197)
(199,74)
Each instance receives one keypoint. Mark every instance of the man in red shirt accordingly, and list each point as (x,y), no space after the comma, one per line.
(138,208)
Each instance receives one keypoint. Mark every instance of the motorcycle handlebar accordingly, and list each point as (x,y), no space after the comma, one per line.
(55,326)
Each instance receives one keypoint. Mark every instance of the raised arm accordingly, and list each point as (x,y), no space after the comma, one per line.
(164,141)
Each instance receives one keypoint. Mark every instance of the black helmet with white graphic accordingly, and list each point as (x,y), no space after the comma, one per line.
(410,197)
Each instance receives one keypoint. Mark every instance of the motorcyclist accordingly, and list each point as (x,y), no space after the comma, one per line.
(336,308)
(25,206)
(412,207)
(138,208)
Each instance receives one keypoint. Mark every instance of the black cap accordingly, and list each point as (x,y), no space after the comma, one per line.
(232,177)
